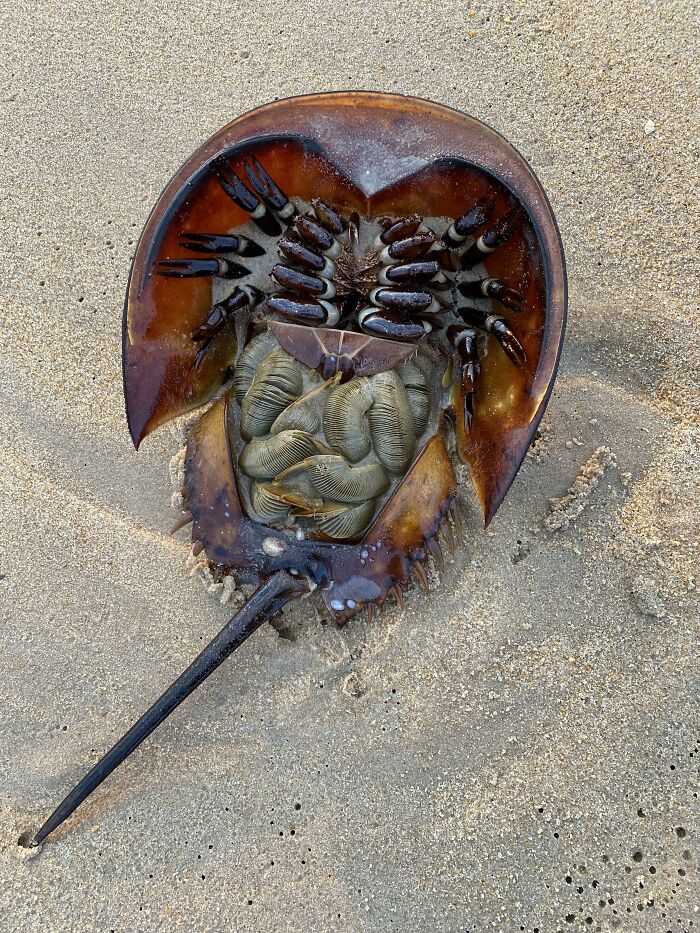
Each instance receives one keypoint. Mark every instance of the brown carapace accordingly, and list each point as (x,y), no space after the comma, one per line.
(338,282)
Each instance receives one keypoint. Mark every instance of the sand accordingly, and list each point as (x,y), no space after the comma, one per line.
(516,751)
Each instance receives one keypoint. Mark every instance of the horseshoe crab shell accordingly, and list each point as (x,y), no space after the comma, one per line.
(337,147)
(324,146)
(366,155)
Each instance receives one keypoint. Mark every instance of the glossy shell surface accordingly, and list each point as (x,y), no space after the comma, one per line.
(376,155)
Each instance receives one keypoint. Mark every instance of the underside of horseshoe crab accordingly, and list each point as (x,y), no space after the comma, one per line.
(338,284)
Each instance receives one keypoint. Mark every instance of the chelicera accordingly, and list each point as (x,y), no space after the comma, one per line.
(347,287)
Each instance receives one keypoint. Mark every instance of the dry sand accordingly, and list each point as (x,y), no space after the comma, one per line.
(518,751)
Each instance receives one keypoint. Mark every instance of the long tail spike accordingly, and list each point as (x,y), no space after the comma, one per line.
(277,590)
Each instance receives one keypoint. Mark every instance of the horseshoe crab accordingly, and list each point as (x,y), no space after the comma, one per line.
(337,281)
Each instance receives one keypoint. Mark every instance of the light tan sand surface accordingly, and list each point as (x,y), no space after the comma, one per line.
(516,751)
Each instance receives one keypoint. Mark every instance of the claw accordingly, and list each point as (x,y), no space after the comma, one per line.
(220,314)
(198,268)
(354,231)
(220,243)
(470,372)
(268,190)
(234,187)
(470,375)
(468,410)
(512,347)
(493,288)
(201,353)
(494,237)
(496,325)
(222,311)
(463,339)
(245,199)
(467,225)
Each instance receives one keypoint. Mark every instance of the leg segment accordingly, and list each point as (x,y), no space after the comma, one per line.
(302,282)
(316,236)
(413,273)
(221,313)
(467,225)
(303,310)
(394,325)
(220,243)
(411,248)
(199,268)
(496,235)
(268,191)
(399,230)
(328,216)
(304,256)
(493,324)
(493,288)
(245,199)
(463,339)
(405,302)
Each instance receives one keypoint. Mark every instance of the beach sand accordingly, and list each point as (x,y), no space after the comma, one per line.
(517,750)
